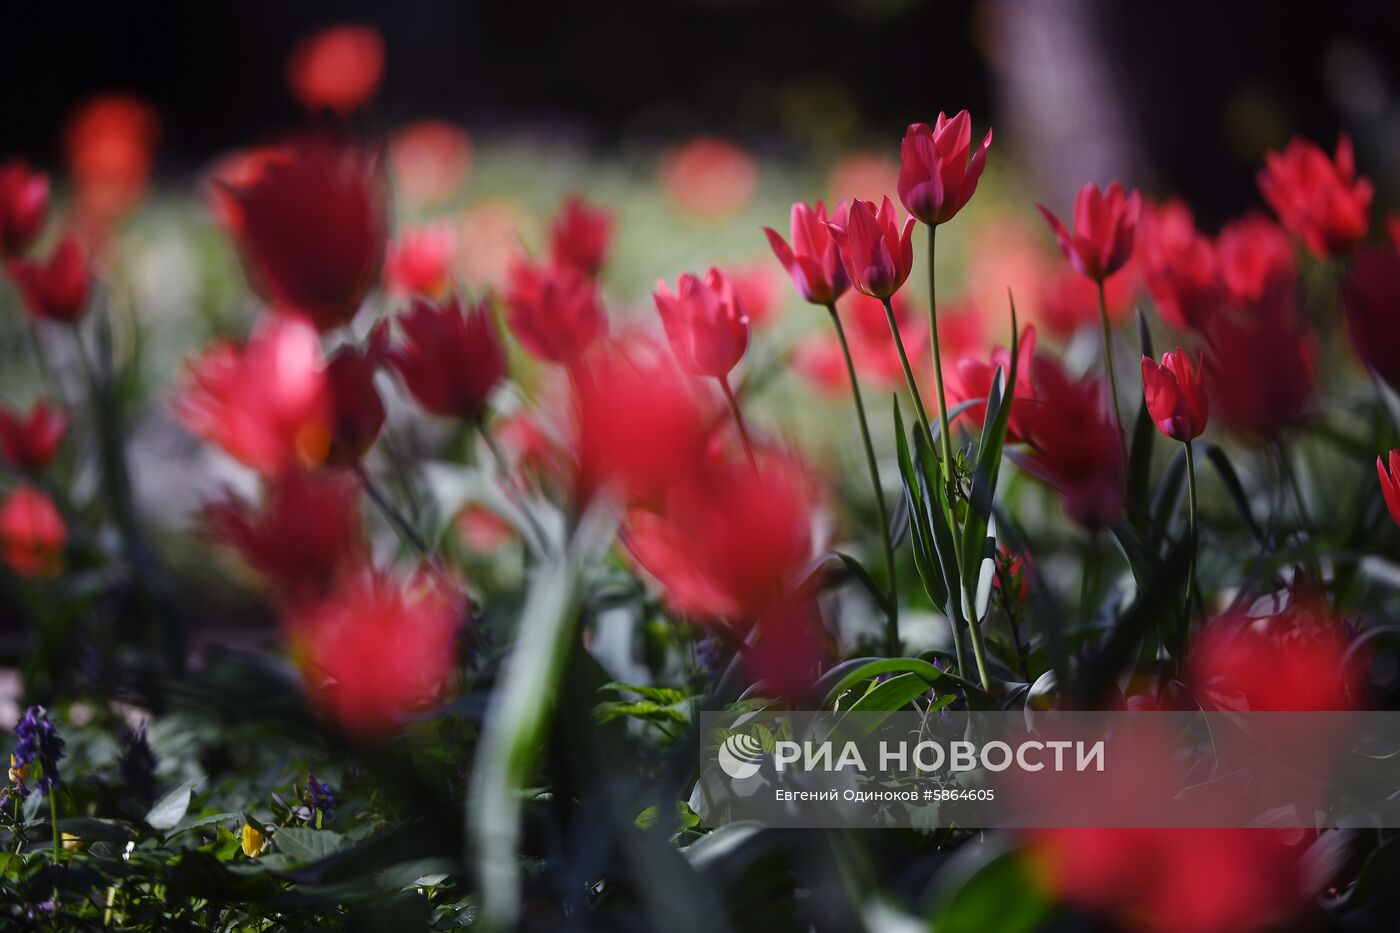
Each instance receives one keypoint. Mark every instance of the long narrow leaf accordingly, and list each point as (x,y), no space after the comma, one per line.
(1140,456)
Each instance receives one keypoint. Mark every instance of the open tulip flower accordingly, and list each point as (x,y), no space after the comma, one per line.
(1321,201)
(813,260)
(554,311)
(450,360)
(936,177)
(1389,472)
(1105,223)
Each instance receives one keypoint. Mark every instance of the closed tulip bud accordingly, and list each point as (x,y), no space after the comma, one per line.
(1390,483)
(876,252)
(56,290)
(1175,395)
(312,226)
(1320,200)
(1105,223)
(813,260)
(24,200)
(30,441)
(450,361)
(936,177)
(32,533)
(1371,296)
(705,322)
(580,236)
(555,312)
(356,410)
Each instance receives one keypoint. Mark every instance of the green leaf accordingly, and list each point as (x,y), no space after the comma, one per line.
(925,558)
(937,515)
(930,674)
(1231,481)
(999,895)
(308,845)
(984,482)
(170,809)
(663,695)
(1140,456)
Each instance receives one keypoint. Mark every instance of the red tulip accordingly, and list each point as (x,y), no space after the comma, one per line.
(420,262)
(109,141)
(1390,483)
(337,69)
(265,403)
(555,312)
(730,537)
(971,380)
(1074,443)
(356,410)
(1179,267)
(1175,395)
(24,200)
(1255,257)
(1371,296)
(1261,367)
(877,254)
(450,361)
(581,236)
(1289,661)
(936,178)
(641,421)
(30,441)
(1320,201)
(312,228)
(705,322)
(56,290)
(1104,226)
(303,537)
(813,261)
(1177,880)
(32,533)
(378,650)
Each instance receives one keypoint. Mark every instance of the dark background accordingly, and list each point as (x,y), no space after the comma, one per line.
(1189,73)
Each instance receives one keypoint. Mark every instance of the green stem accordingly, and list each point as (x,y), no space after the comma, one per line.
(401,525)
(979,653)
(1192,532)
(508,481)
(1108,363)
(938,365)
(738,418)
(908,373)
(892,609)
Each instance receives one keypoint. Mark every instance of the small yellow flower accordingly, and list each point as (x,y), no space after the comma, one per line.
(71,843)
(253,841)
(18,775)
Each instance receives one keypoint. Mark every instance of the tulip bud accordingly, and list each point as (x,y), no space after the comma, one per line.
(705,322)
(936,179)
(1175,396)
